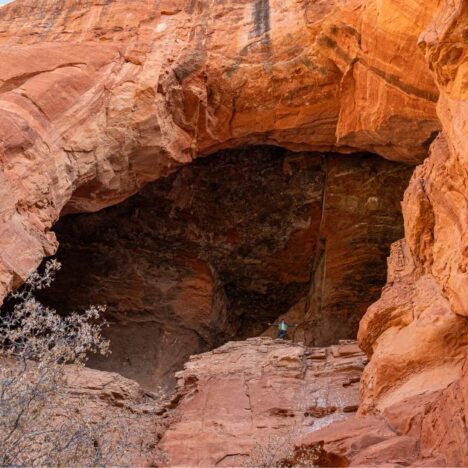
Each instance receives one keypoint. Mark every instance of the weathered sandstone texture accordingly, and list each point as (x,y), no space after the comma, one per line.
(264,400)
(428,429)
(98,98)
(227,244)
(417,333)
(248,394)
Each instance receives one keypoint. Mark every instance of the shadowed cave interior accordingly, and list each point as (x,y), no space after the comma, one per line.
(227,244)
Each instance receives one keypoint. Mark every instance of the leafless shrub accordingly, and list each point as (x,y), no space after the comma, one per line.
(41,422)
(279,452)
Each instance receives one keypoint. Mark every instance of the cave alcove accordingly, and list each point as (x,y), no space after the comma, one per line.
(228,244)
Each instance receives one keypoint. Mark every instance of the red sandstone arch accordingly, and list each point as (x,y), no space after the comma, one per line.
(96,100)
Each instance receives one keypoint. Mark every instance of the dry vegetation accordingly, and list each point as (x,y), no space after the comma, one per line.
(41,422)
(279,452)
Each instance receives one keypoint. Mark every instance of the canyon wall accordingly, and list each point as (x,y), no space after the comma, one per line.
(421,317)
(99,98)
(258,396)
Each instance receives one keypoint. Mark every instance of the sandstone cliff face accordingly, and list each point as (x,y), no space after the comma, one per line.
(417,332)
(264,401)
(424,430)
(227,244)
(98,99)
(260,393)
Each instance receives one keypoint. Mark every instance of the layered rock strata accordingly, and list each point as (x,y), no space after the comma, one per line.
(266,401)
(226,245)
(97,99)
(417,333)
(260,393)
(414,390)
(428,429)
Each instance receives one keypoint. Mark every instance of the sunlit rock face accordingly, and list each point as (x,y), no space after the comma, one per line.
(224,246)
(417,332)
(258,393)
(99,98)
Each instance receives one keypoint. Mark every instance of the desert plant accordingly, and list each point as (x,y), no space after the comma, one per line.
(41,422)
(279,452)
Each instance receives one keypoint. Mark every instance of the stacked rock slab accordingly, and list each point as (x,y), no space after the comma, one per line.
(428,429)
(259,395)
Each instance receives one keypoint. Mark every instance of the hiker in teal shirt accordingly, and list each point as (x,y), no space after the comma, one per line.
(283,328)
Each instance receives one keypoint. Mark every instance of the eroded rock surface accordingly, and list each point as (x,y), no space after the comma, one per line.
(224,246)
(416,342)
(416,336)
(245,394)
(98,98)
(428,429)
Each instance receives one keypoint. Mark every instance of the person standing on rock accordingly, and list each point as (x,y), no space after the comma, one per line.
(283,328)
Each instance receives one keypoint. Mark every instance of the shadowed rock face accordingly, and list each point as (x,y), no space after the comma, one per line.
(360,216)
(228,244)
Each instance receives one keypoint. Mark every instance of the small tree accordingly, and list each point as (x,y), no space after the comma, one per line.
(41,423)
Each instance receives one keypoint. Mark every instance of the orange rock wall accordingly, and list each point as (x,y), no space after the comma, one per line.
(98,99)
(243,397)
(417,333)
